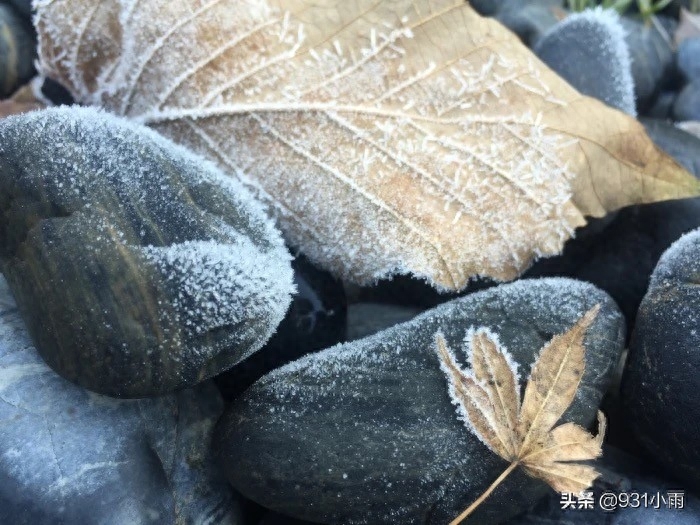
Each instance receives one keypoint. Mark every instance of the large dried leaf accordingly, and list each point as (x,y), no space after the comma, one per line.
(523,433)
(395,136)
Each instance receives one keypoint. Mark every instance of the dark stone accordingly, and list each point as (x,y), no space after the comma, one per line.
(17,51)
(687,105)
(69,456)
(365,432)
(139,267)
(661,384)
(56,93)
(365,319)
(592,41)
(24,7)
(528,19)
(619,256)
(688,58)
(316,319)
(681,145)
(662,108)
(652,57)
(620,474)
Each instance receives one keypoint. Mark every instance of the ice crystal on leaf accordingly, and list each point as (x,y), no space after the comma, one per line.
(387,137)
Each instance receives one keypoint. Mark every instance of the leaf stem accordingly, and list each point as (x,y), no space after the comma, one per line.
(485,495)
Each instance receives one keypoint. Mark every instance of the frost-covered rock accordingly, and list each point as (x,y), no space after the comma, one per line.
(651,50)
(592,41)
(69,456)
(661,383)
(365,432)
(139,267)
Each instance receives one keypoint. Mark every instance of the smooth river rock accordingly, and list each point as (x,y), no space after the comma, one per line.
(365,432)
(139,267)
(661,383)
(70,456)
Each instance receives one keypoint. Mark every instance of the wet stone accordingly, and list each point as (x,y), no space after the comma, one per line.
(70,456)
(661,384)
(365,432)
(138,267)
(315,320)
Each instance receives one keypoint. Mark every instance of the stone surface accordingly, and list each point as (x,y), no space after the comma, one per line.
(661,383)
(24,7)
(687,104)
(529,19)
(592,41)
(17,51)
(688,58)
(620,473)
(69,456)
(652,56)
(316,319)
(365,432)
(619,254)
(139,267)
(365,319)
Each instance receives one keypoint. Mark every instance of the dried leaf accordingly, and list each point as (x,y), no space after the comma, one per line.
(406,136)
(22,101)
(487,397)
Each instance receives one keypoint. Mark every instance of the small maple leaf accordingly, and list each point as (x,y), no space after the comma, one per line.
(488,399)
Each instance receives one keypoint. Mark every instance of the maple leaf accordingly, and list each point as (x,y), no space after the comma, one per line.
(402,136)
(488,399)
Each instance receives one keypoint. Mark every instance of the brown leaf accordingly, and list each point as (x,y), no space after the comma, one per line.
(488,399)
(553,384)
(405,136)
(22,101)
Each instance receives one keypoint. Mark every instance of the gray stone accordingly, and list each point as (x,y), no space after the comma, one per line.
(592,41)
(139,267)
(661,383)
(529,19)
(365,319)
(651,51)
(688,58)
(687,105)
(69,456)
(365,432)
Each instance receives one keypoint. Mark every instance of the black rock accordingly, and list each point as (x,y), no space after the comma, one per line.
(592,41)
(56,93)
(662,107)
(365,319)
(17,51)
(687,105)
(619,255)
(138,267)
(24,7)
(316,319)
(652,56)
(70,456)
(642,499)
(529,19)
(681,145)
(661,384)
(366,433)
(688,58)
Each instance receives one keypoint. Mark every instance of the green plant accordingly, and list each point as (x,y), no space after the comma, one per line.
(618,5)
(648,8)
